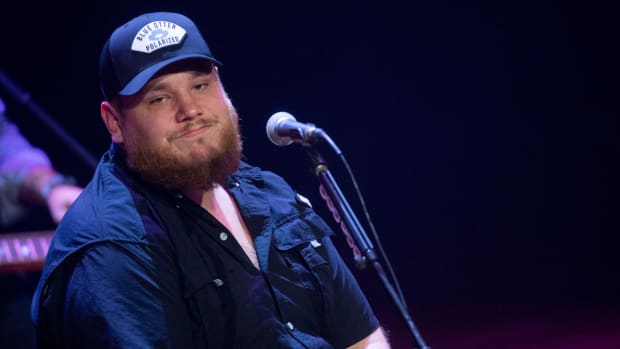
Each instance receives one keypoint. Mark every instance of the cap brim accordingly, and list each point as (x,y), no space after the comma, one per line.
(137,83)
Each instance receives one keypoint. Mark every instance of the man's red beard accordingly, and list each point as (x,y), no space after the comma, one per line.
(192,173)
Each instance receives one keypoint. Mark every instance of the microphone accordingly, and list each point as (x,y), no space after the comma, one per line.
(283,129)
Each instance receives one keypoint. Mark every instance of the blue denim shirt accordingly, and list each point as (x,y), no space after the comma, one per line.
(134,266)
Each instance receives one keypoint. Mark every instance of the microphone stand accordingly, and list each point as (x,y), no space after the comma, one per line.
(357,233)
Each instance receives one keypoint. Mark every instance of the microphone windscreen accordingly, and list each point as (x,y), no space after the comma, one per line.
(273,125)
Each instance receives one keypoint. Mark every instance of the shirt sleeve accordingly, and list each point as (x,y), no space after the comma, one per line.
(350,303)
(17,158)
(124,296)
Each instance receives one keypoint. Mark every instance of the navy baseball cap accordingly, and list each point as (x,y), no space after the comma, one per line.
(137,50)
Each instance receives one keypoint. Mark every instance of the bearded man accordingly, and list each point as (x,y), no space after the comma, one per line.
(177,243)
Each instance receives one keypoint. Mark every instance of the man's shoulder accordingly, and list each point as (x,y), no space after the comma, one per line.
(105,210)
(103,213)
(257,174)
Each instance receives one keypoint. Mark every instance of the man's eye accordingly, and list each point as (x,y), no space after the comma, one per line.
(201,86)
(157,100)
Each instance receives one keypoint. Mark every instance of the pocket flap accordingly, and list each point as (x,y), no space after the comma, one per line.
(297,230)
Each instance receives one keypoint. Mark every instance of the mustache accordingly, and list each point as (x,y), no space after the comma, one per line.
(191,126)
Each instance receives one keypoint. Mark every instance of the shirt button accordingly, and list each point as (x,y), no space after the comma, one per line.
(223,236)
(290,326)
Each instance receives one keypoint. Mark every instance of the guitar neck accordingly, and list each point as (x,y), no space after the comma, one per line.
(24,251)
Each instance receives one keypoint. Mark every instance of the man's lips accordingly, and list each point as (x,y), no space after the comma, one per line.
(190,131)
(193,132)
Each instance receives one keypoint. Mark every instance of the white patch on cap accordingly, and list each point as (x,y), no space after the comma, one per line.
(156,35)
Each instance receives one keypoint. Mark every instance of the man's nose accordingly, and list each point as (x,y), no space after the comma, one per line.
(188,108)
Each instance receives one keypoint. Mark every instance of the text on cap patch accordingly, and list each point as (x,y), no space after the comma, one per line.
(156,35)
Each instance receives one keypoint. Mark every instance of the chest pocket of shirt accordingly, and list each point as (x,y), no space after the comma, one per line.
(302,272)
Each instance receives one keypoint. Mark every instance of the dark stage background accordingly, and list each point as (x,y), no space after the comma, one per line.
(483,135)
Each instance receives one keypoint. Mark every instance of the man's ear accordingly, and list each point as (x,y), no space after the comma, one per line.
(110,117)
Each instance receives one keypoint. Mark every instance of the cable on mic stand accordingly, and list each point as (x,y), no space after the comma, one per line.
(357,239)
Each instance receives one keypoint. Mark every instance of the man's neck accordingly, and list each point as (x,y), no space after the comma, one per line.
(218,203)
(221,205)
(204,197)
